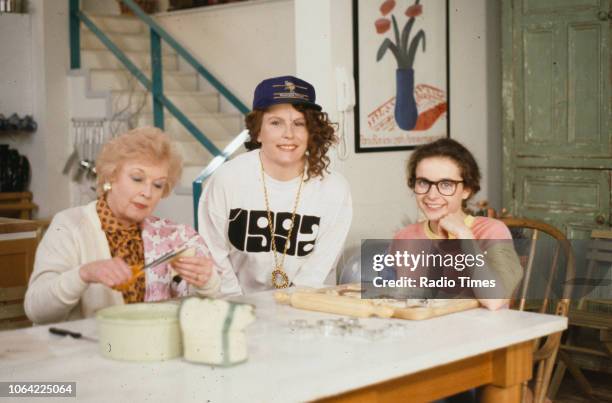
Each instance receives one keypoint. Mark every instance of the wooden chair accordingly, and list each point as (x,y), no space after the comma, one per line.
(17,204)
(18,242)
(560,270)
(591,313)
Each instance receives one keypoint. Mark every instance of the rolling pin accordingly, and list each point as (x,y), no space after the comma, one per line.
(333,304)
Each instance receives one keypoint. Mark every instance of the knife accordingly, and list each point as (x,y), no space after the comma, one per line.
(74,335)
(166,257)
(138,271)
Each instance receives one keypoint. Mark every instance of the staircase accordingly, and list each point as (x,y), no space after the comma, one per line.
(127,99)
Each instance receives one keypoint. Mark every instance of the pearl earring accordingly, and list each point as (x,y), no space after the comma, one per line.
(107,186)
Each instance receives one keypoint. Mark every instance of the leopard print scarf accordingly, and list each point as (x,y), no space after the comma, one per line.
(126,243)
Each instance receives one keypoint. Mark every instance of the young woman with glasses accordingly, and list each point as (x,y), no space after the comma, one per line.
(444,175)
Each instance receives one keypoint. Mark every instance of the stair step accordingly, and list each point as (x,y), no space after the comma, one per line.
(187,101)
(121,79)
(105,59)
(119,24)
(194,153)
(192,171)
(125,42)
(218,127)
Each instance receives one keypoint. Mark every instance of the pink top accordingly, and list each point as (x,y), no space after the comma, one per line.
(488,231)
(161,236)
(482,228)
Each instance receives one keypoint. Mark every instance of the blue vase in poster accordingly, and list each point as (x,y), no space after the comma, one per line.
(406,112)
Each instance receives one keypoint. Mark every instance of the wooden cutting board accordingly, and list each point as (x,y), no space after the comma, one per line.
(314,301)
(345,300)
(443,308)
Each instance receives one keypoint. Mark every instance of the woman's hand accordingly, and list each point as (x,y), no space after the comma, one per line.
(196,270)
(110,272)
(454,224)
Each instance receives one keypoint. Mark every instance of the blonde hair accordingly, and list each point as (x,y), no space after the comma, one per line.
(143,144)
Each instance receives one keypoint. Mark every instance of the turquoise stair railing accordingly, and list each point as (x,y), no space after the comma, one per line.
(155,84)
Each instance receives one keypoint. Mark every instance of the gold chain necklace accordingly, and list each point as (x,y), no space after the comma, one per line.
(279,276)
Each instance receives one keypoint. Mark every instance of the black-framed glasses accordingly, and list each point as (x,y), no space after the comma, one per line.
(446,187)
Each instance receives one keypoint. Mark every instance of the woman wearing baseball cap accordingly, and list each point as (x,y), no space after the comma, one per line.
(280,190)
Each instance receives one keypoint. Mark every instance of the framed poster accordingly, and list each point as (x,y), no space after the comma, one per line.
(401,65)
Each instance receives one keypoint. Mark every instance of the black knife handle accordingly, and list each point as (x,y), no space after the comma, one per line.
(64,332)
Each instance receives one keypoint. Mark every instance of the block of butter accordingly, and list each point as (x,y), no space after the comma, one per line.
(213,330)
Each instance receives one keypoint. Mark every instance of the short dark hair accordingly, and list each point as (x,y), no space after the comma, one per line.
(321,136)
(453,150)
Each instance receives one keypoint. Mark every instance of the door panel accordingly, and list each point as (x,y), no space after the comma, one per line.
(563,84)
(538,84)
(579,230)
(586,129)
(557,117)
(563,196)
(549,6)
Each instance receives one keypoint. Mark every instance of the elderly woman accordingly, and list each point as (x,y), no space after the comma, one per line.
(84,261)
(276,215)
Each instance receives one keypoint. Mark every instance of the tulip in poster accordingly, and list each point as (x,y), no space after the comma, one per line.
(401,65)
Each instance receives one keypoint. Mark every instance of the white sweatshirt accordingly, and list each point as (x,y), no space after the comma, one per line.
(233,221)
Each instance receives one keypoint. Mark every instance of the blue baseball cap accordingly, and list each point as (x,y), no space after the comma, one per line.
(284,90)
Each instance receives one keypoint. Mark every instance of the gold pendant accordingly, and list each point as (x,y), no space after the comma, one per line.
(279,278)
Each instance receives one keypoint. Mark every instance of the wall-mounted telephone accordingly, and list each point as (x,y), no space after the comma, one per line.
(345,90)
(345,102)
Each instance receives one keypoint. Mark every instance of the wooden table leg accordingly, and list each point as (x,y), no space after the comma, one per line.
(502,371)
(498,394)
(511,367)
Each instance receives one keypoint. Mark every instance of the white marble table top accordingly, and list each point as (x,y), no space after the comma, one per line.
(284,364)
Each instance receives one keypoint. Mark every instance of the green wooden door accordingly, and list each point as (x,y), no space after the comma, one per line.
(557,112)
(574,200)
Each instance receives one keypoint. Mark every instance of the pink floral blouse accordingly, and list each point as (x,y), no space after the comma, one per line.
(160,236)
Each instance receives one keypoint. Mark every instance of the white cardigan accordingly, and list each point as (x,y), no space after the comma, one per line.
(56,292)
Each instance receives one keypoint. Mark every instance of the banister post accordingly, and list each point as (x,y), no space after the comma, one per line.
(196,187)
(75,35)
(157,80)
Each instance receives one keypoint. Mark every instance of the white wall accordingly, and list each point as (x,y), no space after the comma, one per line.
(310,38)
(40,88)
(16,64)
(475,40)
(240,43)
(100,6)
(51,65)
(35,66)
(381,201)
(243,43)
